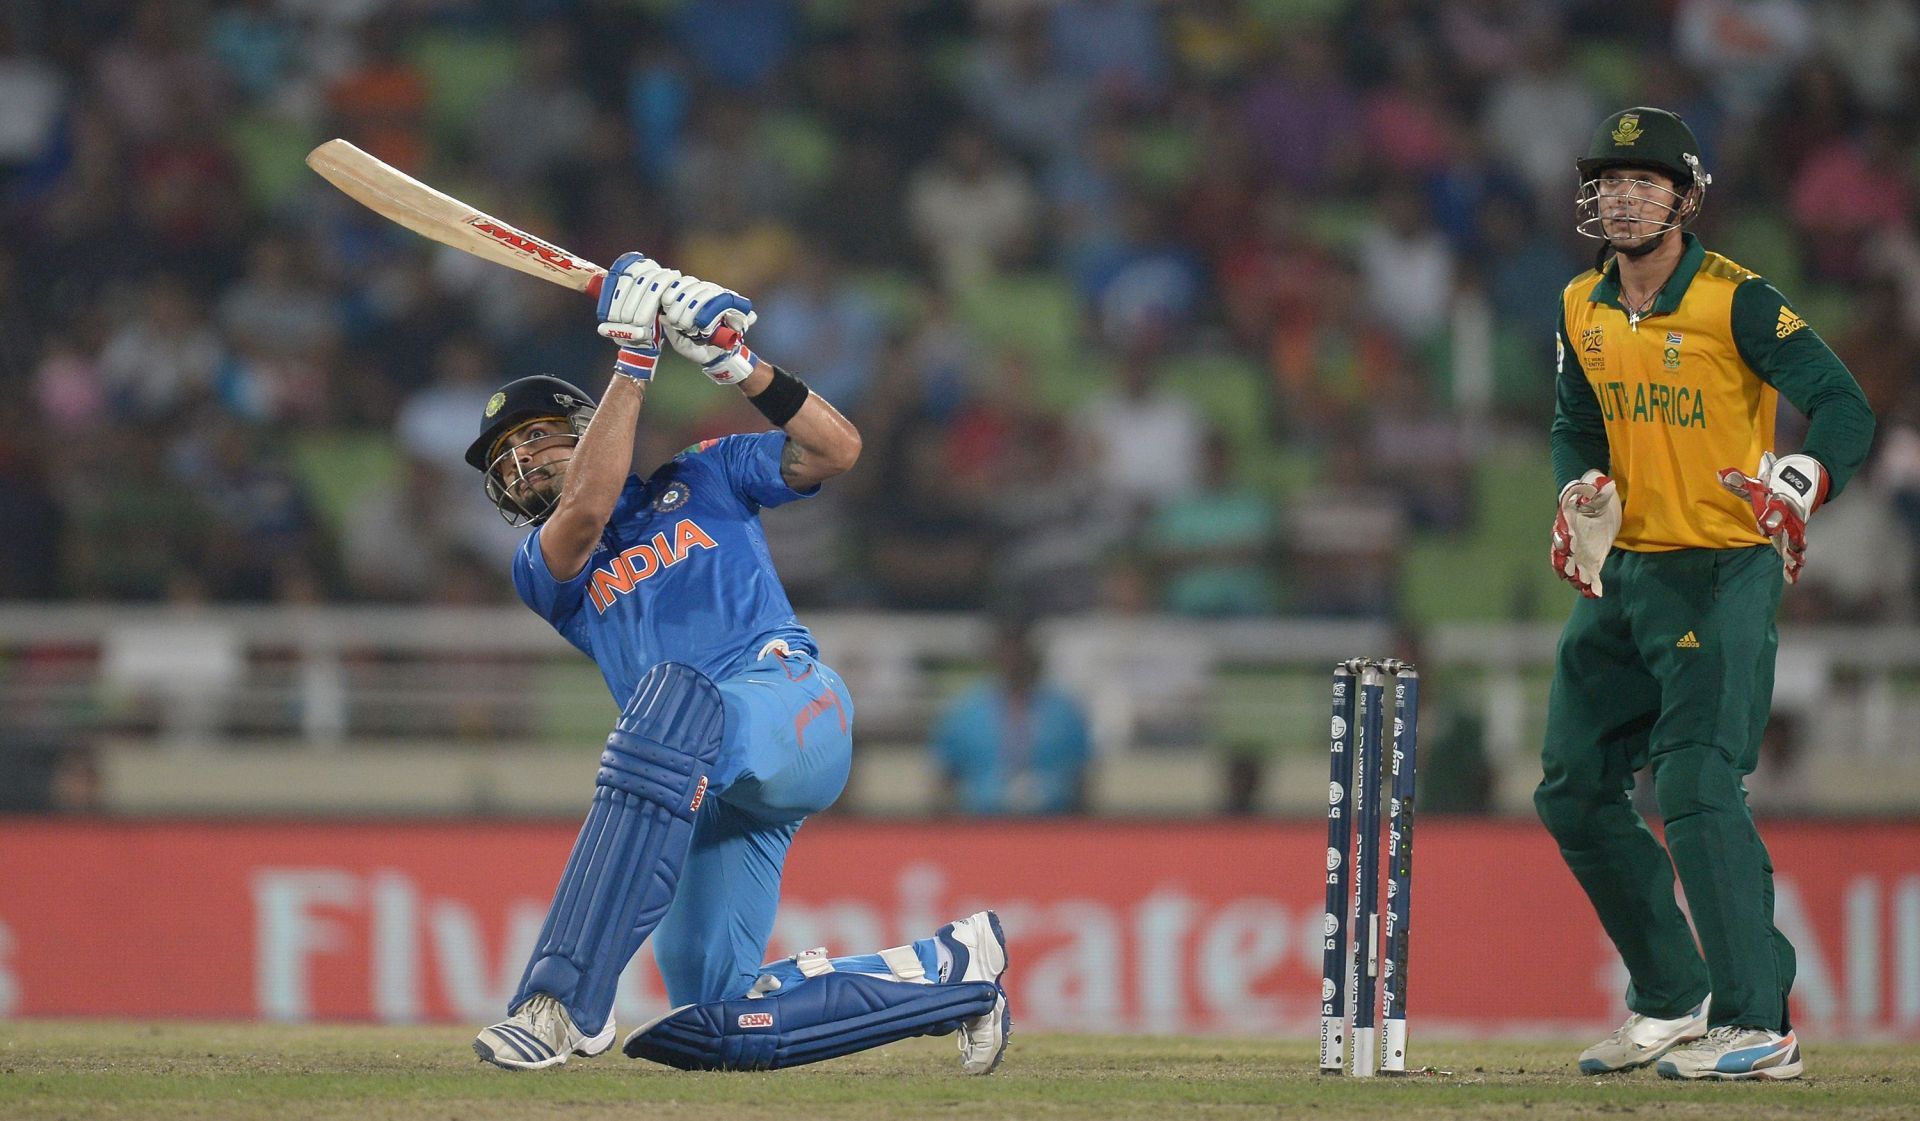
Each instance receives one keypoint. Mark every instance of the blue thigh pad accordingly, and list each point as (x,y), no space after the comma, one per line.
(828,1016)
(626,862)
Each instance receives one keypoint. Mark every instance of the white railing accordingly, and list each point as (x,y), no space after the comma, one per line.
(326,678)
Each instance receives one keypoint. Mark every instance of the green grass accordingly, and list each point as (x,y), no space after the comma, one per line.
(77,1070)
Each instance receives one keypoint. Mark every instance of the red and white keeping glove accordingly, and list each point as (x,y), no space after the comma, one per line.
(1583,531)
(1784,495)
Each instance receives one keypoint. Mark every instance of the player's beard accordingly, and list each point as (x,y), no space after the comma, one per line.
(1639,245)
(542,484)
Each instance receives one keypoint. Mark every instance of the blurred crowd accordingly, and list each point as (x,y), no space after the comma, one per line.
(1211,308)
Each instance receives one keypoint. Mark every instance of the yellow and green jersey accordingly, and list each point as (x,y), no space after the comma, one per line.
(1664,401)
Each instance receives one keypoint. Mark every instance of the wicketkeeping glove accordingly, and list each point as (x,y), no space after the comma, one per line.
(694,309)
(1784,495)
(630,312)
(1583,531)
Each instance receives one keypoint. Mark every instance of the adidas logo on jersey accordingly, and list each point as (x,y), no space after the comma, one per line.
(1790,322)
(1688,642)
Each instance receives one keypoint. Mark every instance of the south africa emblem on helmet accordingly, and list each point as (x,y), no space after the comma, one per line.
(1628,130)
(494,402)
(672,498)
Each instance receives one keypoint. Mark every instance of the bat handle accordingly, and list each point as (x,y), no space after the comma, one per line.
(723,337)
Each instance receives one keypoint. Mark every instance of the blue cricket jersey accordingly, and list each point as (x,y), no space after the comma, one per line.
(682,572)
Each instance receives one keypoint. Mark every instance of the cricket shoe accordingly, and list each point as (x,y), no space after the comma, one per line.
(1641,1040)
(540,1035)
(978,948)
(1733,1053)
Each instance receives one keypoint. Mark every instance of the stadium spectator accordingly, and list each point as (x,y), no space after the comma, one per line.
(1011,743)
(1198,172)
(1213,547)
(971,210)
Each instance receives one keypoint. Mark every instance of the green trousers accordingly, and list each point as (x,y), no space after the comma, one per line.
(1673,667)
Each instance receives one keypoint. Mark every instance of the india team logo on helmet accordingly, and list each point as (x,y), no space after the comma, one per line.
(493,405)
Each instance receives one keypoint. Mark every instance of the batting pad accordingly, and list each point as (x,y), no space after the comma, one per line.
(626,862)
(830,1015)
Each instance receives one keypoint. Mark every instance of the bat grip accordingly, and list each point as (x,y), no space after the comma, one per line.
(723,336)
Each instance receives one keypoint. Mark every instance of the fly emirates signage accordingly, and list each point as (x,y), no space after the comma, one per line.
(1197,928)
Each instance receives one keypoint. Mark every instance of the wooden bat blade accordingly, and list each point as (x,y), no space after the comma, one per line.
(400,197)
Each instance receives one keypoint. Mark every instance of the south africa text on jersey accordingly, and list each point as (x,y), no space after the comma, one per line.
(1681,406)
(642,562)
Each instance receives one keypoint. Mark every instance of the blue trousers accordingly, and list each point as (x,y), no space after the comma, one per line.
(788,746)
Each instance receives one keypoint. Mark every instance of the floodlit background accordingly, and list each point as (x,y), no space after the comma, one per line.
(1195,346)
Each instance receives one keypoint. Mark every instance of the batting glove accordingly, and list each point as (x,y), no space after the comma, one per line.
(1784,495)
(629,313)
(694,311)
(1583,531)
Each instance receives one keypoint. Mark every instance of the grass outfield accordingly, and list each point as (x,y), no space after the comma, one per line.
(227,1072)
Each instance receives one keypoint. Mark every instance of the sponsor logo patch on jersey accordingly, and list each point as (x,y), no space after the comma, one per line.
(1790,322)
(672,498)
(1688,642)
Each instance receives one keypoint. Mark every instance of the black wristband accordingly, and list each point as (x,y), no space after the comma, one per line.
(782,397)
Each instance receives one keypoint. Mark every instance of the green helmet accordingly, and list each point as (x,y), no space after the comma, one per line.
(1645,137)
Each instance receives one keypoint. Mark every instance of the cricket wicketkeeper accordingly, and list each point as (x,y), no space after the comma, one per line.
(1679,526)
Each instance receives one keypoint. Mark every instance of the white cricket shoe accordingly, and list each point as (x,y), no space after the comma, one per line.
(979,950)
(540,1035)
(1641,1040)
(1732,1053)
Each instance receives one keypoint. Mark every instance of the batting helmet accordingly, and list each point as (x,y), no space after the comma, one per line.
(517,403)
(1644,137)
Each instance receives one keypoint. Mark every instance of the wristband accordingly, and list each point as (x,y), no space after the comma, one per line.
(636,365)
(782,397)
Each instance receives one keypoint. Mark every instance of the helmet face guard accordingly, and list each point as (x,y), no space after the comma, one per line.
(1645,208)
(512,488)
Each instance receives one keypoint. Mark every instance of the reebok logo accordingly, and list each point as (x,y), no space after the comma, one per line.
(1688,642)
(1788,324)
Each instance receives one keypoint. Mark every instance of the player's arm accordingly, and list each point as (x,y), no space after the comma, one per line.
(1787,354)
(1579,435)
(1587,517)
(820,442)
(1779,347)
(630,316)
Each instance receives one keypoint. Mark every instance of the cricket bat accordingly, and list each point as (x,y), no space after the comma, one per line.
(401,198)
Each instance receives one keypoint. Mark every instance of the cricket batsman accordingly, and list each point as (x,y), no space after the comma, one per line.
(1680,526)
(732,730)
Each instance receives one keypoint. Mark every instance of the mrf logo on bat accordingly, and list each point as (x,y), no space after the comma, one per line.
(550,255)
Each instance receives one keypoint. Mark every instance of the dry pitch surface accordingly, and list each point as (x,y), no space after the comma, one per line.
(225,1072)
